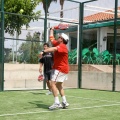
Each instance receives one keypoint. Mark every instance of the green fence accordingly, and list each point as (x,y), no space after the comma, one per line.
(1,46)
(94,46)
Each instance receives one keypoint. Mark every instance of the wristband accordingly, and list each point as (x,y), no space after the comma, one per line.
(51,37)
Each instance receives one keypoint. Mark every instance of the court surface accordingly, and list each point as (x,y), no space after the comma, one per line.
(84,105)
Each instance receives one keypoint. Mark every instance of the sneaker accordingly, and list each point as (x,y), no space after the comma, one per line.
(55,105)
(65,105)
(49,93)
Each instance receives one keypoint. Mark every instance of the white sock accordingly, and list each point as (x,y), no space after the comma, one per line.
(57,100)
(64,99)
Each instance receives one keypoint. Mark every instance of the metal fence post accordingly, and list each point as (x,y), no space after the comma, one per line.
(45,33)
(80,45)
(114,54)
(2,47)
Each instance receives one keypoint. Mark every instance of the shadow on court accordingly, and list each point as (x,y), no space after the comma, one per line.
(40,104)
(40,93)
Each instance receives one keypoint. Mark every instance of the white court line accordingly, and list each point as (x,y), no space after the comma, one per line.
(25,113)
(94,99)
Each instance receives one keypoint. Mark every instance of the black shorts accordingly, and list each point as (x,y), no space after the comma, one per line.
(48,75)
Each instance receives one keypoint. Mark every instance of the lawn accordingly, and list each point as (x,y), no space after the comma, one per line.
(84,105)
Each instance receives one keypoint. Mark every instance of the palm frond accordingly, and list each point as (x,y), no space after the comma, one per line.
(48,4)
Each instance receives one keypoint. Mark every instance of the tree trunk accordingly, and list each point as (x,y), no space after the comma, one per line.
(61,13)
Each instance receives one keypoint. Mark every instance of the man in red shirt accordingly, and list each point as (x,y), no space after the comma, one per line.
(60,68)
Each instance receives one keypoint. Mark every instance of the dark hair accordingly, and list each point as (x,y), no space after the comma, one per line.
(46,44)
(65,41)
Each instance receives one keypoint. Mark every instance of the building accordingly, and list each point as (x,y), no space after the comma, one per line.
(98,32)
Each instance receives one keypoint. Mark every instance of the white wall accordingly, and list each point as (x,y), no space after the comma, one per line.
(101,33)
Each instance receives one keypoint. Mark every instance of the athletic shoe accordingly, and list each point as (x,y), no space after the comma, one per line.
(65,105)
(49,93)
(55,105)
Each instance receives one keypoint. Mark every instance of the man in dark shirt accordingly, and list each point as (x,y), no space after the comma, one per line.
(47,61)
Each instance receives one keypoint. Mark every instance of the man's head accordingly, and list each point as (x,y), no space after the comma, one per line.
(63,38)
(45,46)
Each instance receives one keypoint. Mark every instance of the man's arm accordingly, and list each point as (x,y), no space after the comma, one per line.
(52,34)
(52,49)
(40,68)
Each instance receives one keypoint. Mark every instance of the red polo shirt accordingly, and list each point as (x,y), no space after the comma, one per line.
(61,57)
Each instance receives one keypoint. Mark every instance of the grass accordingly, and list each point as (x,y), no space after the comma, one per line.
(84,105)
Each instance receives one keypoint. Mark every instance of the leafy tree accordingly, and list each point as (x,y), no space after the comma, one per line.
(29,50)
(48,5)
(14,22)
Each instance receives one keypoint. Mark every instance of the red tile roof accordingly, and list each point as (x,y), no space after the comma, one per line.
(101,16)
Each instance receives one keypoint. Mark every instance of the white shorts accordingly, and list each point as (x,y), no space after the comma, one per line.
(59,76)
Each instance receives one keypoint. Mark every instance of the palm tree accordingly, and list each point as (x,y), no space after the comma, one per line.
(48,4)
(61,3)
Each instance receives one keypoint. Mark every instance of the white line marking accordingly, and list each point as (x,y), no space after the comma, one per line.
(3,115)
(94,99)
(23,113)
